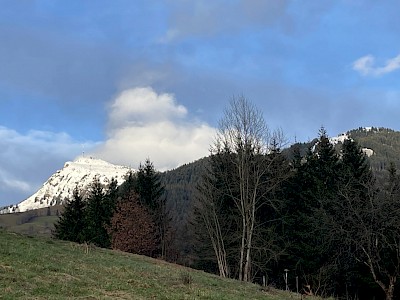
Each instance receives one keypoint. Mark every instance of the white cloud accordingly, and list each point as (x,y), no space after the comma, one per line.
(145,124)
(366,66)
(142,106)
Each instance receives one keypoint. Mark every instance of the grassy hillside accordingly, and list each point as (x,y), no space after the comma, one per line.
(35,222)
(41,268)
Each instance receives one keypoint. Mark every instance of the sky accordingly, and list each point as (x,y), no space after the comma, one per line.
(127,80)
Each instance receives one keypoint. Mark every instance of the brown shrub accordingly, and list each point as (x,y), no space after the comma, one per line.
(132,228)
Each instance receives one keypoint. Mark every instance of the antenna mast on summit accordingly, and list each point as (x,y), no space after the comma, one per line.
(83,150)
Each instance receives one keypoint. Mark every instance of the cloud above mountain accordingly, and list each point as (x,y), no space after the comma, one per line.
(141,124)
(144,124)
(141,106)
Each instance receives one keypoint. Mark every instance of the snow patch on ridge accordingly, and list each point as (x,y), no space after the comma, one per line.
(339,139)
(368,152)
(344,136)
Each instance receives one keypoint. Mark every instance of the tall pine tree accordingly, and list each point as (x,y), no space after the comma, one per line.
(96,231)
(151,196)
(148,186)
(310,197)
(71,224)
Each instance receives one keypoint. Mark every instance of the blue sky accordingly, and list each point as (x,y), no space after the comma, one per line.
(126,80)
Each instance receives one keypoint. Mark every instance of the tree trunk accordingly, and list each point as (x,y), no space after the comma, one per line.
(246,271)
(390,290)
(242,248)
(249,245)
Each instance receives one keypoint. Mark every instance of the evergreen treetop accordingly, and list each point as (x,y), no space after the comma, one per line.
(148,186)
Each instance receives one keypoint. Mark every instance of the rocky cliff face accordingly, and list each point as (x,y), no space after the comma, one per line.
(60,186)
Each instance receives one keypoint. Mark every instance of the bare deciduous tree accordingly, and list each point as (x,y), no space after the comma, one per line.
(370,227)
(208,207)
(243,141)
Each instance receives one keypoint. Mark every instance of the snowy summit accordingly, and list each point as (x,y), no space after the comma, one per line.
(60,186)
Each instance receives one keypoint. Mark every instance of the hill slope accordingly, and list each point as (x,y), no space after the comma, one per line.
(37,268)
(383,141)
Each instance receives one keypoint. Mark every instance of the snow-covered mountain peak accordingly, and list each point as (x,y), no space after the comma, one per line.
(93,165)
(60,186)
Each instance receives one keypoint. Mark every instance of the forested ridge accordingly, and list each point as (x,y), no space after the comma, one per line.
(385,143)
(180,183)
(319,218)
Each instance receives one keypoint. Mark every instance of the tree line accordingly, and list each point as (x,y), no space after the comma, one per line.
(320,223)
(316,221)
(131,217)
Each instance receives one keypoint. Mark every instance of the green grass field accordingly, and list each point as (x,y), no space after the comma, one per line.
(43,268)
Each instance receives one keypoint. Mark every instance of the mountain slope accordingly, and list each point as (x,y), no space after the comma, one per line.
(384,142)
(381,145)
(37,268)
(59,187)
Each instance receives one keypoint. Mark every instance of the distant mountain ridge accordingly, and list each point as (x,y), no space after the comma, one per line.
(382,146)
(60,186)
(383,141)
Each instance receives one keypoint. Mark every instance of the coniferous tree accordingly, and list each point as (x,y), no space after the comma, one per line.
(326,194)
(310,197)
(96,213)
(355,164)
(71,224)
(269,241)
(128,185)
(110,201)
(356,182)
(151,196)
(148,186)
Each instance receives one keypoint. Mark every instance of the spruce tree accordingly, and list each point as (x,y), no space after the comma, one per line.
(96,231)
(355,162)
(151,196)
(71,224)
(110,201)
(310,199)
(354,181)
(128,185)
(148,186)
